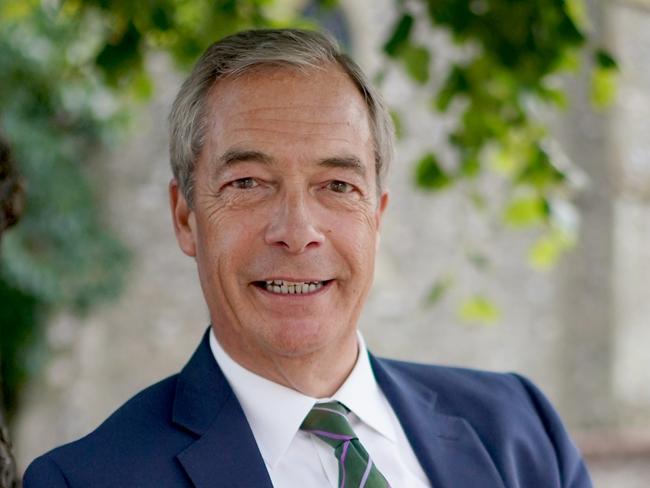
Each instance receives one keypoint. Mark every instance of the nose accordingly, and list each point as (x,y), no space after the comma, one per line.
(293,226)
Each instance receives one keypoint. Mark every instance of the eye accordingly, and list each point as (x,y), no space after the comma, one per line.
(340,186)
(245,183)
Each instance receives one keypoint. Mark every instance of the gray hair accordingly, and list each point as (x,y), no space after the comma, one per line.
(243,52)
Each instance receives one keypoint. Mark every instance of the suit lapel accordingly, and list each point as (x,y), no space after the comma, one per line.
(225,453)
(447,447)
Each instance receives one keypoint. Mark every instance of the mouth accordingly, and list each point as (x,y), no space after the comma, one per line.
(283,287)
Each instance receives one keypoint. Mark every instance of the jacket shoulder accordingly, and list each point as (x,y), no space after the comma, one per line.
(139,433)
(511,416)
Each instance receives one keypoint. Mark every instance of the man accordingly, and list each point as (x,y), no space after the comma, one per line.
(279,148)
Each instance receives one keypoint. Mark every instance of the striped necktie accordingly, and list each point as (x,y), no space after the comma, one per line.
(328,421)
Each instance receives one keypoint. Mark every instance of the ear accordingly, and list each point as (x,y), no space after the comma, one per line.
(381,208)
(183,218)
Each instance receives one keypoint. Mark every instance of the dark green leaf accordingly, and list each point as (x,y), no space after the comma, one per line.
(540,171)
(160,18)
(429,175)
(118,58)
(605,60)
(455,84)
(328,4)
(400,35)
(416,60)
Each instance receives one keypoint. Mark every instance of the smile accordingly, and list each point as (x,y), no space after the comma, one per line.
(282,287)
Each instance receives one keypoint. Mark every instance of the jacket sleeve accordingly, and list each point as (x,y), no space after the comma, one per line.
(43,472)
(573,471)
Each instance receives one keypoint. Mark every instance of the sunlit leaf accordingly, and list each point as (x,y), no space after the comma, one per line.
(479,309)
(15,10)
(525,211)
(503,160)
(142,86)
(577,11)
(548,249)
(603,86)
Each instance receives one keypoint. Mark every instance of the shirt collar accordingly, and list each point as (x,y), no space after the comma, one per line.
(361,394)
(277,419)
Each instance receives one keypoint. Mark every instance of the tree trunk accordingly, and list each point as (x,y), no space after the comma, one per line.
(7,465)
(11,193)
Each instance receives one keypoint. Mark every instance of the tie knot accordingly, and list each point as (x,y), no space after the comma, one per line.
(329,422)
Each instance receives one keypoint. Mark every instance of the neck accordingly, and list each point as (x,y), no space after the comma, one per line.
(317,374)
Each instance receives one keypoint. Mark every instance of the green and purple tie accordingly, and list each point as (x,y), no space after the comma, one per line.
(329,422)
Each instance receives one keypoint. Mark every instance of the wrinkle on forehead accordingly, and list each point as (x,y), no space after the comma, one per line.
(269,96)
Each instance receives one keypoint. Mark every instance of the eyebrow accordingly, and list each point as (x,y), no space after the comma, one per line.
(235,156)
(344,162)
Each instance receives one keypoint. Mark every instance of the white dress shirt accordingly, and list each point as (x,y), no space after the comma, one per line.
(295,458)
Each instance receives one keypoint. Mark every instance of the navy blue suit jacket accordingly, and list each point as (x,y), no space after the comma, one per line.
(468,429)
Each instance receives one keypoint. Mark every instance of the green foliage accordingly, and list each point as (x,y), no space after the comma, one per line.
(603,83)
(511,53)
(430,175)
(479,309)
(70,72)
(179,27)
(20,316)
(414,57)
(56,116)
(548,248)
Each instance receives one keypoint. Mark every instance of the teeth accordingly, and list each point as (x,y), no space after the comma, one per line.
(288,287)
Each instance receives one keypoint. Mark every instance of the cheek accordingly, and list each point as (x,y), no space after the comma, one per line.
(223,241)
(357,236)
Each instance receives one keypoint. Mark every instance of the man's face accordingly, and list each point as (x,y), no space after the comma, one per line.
(285,222)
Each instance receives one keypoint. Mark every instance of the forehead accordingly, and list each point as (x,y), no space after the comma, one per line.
(319,106)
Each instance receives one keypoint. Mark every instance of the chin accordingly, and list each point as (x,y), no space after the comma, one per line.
(300,338)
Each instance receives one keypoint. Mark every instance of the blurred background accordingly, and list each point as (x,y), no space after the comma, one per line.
(517,236)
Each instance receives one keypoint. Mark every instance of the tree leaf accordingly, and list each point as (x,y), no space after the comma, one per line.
(479,309)
(548,249)
(603,86)
(455,84)
(525,211)
(118,58)
(416,60)
(605,60)
(400,35)
(470,166)
(429,175)
(439,290)
(398,124)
